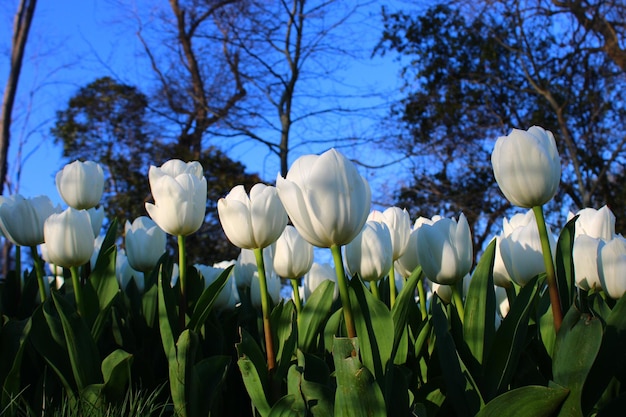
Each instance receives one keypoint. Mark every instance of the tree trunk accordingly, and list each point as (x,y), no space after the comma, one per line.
(21,27)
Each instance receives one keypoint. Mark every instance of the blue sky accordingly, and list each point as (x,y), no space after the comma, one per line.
(73,42)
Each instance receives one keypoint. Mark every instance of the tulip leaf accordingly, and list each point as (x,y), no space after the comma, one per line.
(116,374)
(180,372)
(332,329)
(564,264)
(288,406)
(527,401)
(207,378)
(28,299)
(168,320)
(15,337)
(574,354)
(48,339)
(400,311)
(480,307)
(81,348)
(508,345)
(253,371)
(204,304)
(314,314)
(285,333)
(461,389)
(358,393)
(374,327)
(610,360)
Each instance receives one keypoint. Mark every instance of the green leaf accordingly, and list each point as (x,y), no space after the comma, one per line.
(480,307)
(116,373)
(574,354)
(168,317)
(314,314)
(15,335)
(399,313)
(461,390)
(180,372)
(564,264)
(288,406)
(208,375)
(610,359)
(284,329)
(528,401)
(204,304)
(81,348)
(508,344)
(374,328)
(357,394)
(253,371)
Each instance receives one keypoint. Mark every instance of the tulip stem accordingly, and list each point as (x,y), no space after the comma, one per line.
(422,295)
(265,306)
(78,291)
(182,278)
(392,286)
(342,282)
(296,296)
(40,273)
(374,289)
(458,302)
(555,301)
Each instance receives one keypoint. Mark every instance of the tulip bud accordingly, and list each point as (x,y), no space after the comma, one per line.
(22,219)
(69,238)
(294,255)
(326,198)
(145,243)
(81,184)
(227,298)
(409,260)
(180,192)
(370,253)
(527,166)
(255,221)
(445,250)
(611,266)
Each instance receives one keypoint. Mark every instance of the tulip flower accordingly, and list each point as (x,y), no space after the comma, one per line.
(521,249)
(145,243)
(326,198)
(527,166)
(293,255)
(69,237)
(273,290)
(293,259)
(611,266)
(81,184)
(180,192)
(445,250)
(328,202)
(592,229)
(370,253)
(255,221)
(399,224)
(22,219)
(125,272)
(96,215)
(70,243)
(501,277)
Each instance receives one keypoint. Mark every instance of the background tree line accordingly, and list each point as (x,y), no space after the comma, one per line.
(244,70)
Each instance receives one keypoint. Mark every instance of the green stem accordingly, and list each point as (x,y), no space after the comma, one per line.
(374,289)
(422,295)
(392,286)
(182,278)
(458,301)
(553,289)
(40,273)
(296,296)
(78,291)
(265,306)
(342,282)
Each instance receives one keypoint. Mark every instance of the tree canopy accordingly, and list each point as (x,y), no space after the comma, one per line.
(478,70)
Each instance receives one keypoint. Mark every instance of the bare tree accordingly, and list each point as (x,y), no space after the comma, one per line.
(21,27)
